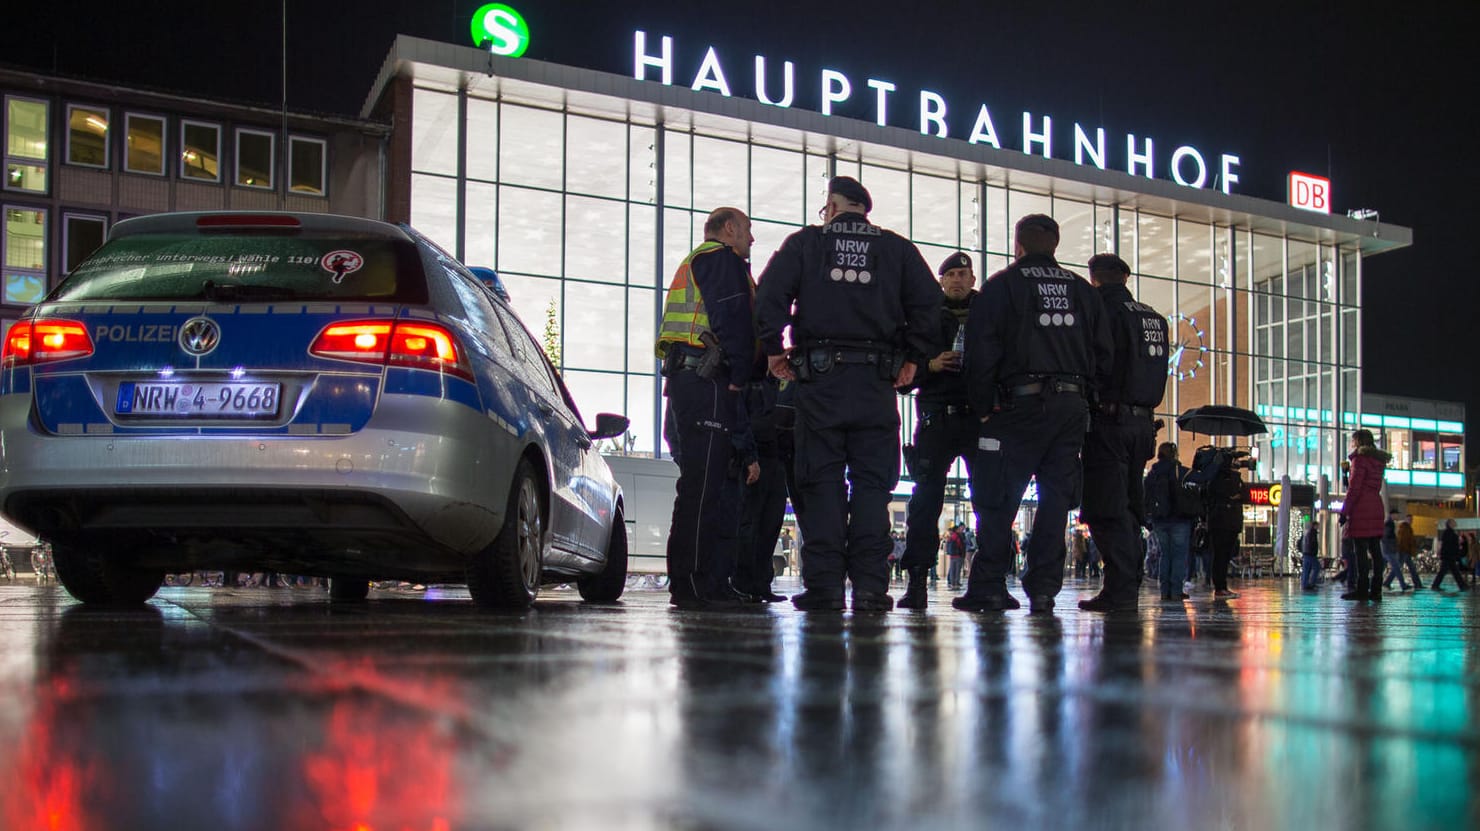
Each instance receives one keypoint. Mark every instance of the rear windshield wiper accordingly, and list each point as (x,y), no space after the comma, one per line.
(211,290)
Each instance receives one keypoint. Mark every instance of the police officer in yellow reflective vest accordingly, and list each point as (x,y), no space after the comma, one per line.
(707,343)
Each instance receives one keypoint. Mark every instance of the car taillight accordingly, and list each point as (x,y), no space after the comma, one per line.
(42,341)
(419,345)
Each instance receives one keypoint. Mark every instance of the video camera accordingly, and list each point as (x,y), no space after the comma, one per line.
(1212,459)
(1216,474)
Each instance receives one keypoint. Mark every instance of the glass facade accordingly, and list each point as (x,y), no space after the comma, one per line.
(586,214)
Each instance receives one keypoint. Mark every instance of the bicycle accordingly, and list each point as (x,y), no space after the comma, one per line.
(5,565)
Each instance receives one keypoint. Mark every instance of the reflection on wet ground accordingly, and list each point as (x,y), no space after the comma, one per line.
(258,709)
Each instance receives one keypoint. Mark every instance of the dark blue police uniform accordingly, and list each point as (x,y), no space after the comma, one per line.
(864,302)
(1036,341)
(763,504)
(1122,436)
(709,421)
(946,429)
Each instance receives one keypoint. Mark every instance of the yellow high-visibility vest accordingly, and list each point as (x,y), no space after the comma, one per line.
(684,318)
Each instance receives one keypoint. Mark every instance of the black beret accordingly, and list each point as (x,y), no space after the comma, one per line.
(957,260)
(1108,262)
(1041,221)
(849,188)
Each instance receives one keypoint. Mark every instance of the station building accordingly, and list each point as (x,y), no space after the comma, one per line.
(586,188)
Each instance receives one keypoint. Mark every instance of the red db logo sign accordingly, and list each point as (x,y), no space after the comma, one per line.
(1311,193)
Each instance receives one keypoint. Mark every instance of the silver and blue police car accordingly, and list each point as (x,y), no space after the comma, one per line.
(301,393)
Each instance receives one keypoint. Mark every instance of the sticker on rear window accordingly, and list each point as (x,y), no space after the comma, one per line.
(342,262)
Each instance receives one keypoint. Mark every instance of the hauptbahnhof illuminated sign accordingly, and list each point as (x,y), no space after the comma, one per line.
(656,59)
(503,31)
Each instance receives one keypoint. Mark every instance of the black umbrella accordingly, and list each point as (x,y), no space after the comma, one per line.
(1221,420)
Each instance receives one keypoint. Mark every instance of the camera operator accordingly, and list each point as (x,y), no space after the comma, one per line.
(1217,470)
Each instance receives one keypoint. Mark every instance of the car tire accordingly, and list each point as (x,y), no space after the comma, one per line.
(348,589)
(606,585)
(506,574)
(98,578)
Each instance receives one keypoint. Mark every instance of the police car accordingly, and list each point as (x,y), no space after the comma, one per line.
(301,393)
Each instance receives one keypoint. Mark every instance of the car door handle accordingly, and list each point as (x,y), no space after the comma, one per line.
(545,409)
(582,438)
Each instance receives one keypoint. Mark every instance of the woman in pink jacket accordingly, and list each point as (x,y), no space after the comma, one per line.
(1362,516)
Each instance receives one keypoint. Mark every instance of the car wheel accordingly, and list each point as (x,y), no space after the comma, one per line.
(348,589)
(93,577)
(506,574)
(607,585)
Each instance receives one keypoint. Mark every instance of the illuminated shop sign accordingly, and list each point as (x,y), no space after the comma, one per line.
(654,59)
(1310,193)
(1271,494)
(501,30)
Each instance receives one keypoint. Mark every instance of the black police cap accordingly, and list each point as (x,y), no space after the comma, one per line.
(1041,221)
(849,188)
(1108,262)
(957,260)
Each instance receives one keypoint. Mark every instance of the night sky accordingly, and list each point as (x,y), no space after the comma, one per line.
(1374,96)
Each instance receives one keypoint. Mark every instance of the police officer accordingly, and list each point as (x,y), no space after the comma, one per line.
(1122,434)
(763,502)
(1037,340)
(707,343)
(865,316)
(945,429)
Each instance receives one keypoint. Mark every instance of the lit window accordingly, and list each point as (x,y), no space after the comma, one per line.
(24,255)
(143,150)
(254,159)
(200,151)
(26,144)
(306,166)
(87,136)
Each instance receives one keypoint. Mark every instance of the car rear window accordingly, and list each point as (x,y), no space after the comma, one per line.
(249,266)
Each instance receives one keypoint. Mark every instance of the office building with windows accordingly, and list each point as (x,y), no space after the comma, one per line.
(80,156)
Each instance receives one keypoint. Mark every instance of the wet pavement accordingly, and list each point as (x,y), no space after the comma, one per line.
(270,709)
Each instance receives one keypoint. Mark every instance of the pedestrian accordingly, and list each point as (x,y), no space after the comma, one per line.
(1310,556)
(1450,556)
(1390,551)
(1224,513)
(1407,549)
(956,554)
(707,343)
(864,313)
(1037,343)
(763,502)
(1171,523)
(945,428)
(896,554)
(1079,551)
(1361,517)
(1122,435)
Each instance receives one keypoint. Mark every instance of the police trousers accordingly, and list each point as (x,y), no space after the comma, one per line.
(1116,451)
(847,464)
(763,507)
(1039,435)
(703,534)
(940,438)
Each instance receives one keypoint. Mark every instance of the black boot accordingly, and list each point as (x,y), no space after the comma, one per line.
(914,595)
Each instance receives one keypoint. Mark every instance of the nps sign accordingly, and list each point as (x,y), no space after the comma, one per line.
(501,30)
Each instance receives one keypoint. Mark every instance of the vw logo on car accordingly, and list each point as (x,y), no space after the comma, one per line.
(199,336)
